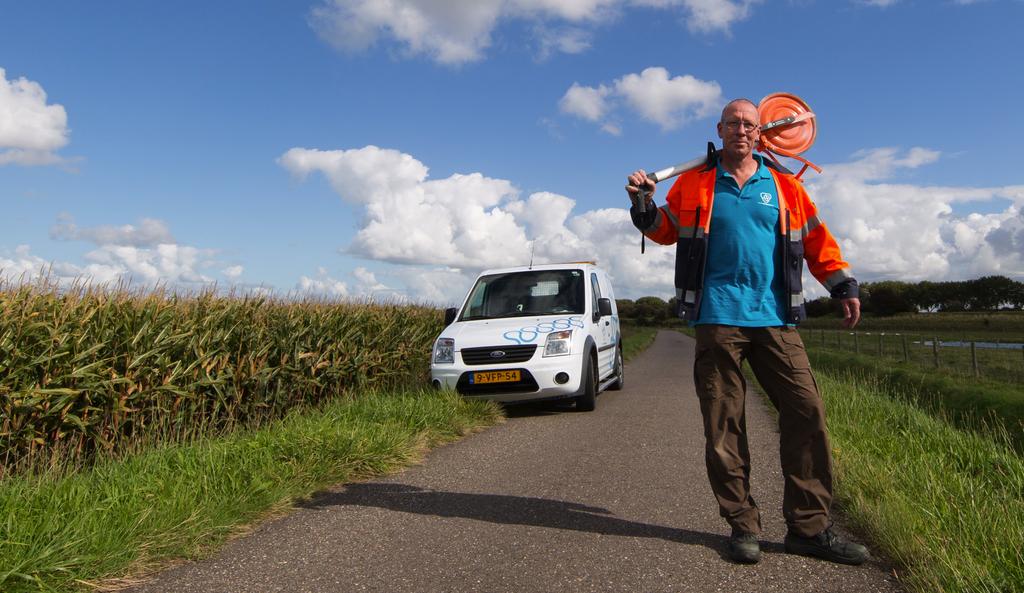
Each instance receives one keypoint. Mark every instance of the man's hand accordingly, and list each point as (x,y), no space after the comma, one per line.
(851,312)
(637,180)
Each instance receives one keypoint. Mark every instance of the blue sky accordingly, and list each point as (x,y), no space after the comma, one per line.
(396,147)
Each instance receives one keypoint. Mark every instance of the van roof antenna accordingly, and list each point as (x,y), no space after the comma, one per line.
(533,246)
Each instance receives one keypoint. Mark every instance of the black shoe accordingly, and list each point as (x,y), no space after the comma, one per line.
(827,546)
(743,548)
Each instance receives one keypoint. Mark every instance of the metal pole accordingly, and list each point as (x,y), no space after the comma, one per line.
(974,360)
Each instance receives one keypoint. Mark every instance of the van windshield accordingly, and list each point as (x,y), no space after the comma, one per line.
(519,294)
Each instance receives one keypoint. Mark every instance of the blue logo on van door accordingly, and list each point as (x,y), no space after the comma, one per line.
(529,334)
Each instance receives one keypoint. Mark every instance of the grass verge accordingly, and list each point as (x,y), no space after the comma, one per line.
(119,517)
(992,325)
(945,504)
(636,339)
(966,402)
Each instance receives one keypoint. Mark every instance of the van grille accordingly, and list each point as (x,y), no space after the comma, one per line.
(488,354)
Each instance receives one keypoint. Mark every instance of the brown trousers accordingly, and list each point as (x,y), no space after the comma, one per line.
(779,361)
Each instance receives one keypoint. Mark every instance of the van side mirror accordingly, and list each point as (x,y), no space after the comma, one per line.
(604,307)
(449,315)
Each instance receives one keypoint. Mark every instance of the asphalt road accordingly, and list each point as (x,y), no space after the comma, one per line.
(551,501)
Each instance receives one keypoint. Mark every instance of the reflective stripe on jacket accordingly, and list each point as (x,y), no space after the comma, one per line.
(686,219)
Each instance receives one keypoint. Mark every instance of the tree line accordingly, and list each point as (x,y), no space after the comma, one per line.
(884,298)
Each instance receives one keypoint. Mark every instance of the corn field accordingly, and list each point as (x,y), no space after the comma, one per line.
(85,370)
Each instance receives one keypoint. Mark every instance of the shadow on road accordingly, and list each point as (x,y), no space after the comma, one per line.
(547,408)
(507,510)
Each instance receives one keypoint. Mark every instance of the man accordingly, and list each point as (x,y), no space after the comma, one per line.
(742,228)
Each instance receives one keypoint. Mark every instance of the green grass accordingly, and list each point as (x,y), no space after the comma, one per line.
(119,517)
(636,339)
(1004,325)
(998,364)
(966,402)
(947,505)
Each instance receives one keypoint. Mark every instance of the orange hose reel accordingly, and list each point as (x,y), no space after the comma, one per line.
(788,128)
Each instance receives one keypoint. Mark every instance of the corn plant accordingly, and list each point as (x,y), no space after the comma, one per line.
(86,369)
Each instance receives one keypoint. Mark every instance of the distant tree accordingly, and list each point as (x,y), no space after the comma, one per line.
(821,306)
(651,310)
(888,297)
(626,308)
(673,307)
(990,292)
(952,296)
(1016,299)
(926,296)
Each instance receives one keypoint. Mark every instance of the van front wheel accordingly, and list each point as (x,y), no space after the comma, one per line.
(588,400)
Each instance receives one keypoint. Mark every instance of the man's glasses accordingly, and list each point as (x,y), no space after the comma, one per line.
(746,126)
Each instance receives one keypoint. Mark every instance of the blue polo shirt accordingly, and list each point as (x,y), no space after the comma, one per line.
(742,282)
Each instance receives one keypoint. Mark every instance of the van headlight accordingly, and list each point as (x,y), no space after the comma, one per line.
(558,343)
(444,351)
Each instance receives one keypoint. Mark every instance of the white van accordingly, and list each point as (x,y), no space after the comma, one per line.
(533,333)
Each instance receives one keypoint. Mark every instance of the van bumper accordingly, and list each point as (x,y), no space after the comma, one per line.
(537,380)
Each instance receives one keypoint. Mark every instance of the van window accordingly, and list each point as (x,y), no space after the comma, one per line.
(532,292)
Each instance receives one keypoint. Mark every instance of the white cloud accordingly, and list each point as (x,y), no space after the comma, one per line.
(652,94)
(438,234)
(451,221)
(148,233)
(145,254)
(669,102)
(716,15)
(365,287)
(439,230)
(22,266)
(233,273)
(566,40)
(455,32)
(586,102)
(323,284)
(436,285)
(166,263)
(30,130)
(367,280)
(910,232)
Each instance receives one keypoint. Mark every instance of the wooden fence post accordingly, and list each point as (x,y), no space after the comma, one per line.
(906,353)
(935,351)
(974,360)
(856,343)
(880,336)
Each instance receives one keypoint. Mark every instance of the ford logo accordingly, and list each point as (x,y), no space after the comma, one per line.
(498,354)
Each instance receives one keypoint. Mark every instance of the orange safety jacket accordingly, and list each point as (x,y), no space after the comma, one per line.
(686,221)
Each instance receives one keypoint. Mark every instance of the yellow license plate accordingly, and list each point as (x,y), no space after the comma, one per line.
(495,377)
